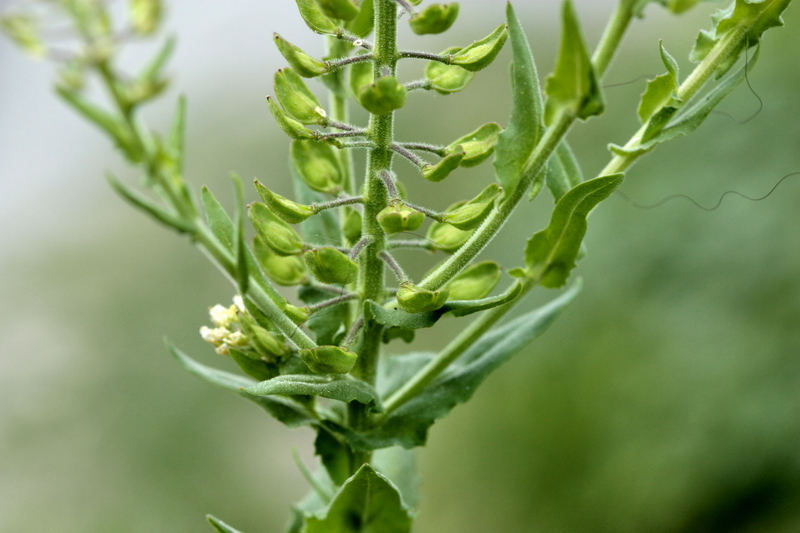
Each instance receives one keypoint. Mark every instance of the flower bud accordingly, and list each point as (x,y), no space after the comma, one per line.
(24,30)
(301,62)
(468,215)
(384,95)
(339,9)
(478,145)
(397,217)
(351,227)
(298,315)
(447,79)
(329,265)
(318,165)
(413,299)
(475,282)
(436,18)
(481,53)
(223,317)
(446,237)
(445,166)
(275,233)
(288,270)
(290,126)
(329,359)
(296,98)
(285,209)
(145,15)
(315,18)
(265,343)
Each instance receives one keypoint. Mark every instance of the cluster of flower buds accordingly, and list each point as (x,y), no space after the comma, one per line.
(235,329)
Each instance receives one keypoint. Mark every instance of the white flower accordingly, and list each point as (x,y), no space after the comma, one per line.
(222,317)
(239,303)
(215,336)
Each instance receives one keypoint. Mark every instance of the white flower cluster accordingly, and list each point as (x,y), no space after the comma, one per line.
(225,334)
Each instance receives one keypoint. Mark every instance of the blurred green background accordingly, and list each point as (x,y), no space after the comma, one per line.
(666,399)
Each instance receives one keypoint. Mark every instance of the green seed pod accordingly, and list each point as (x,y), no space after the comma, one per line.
(145,15)
(286,270)
(478,145)
(290,126)
(468,215)
(413,299)
(318,165)
(397,217)
(360,76)
(351,227)
(298,315)
(436,18)
(287,210)
(329,359)
(339,9)
(329,265)
(445,166)
(446,237)
(447,79)
(315,18)
(481,53)
(384,95)
(297,99)
(275,233)
(304,64)
(362,25)
(475,282)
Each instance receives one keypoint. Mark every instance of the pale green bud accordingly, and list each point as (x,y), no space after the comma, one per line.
(445,166)
(289,125)
(24,30)
(285,209)
(468,215)
(436,18)
(413,299)
(475,282)
(275,233)
(446,237)
(298,315)
(329,359)
(329,265)
(397,217)
(481,53)
(288,270)
(304,64)
(478,145)
(384,95)
(145,15)
(447,79)
(297,99)
(351,227)
(318,165)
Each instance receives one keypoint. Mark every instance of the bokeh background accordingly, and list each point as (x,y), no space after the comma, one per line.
(666,399)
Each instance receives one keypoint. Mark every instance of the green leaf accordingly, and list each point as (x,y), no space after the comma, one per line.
(338,387)
(399,466)
(573,86)
(399,318)
(526,125)
(334,454)
(367,502)
(285,410)
(662,90)
(147,205)
(408,425)
(220,526)
(328,325)
(551,253)
(217,218)
(362,25)
(563,172)
(467,307)
(252,367)
(241,252)
(476,281)
(177,134)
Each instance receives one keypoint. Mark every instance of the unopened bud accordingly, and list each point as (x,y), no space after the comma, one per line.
(481,53)
(384,95)
(445,166)
(145,15)
(413,299)
(436,18)
(275,233)
(285,209)
(329,265)
(24,30)
(223,317)
(318,165)
(298,315)
(329,359)
(397,217)
(475,282)
(301,62)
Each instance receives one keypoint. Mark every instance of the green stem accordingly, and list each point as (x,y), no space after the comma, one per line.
(612,37)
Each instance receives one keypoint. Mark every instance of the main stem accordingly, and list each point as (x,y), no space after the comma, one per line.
(371,283)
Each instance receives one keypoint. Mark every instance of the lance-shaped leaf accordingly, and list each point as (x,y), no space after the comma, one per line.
(446,237)
(367,501)
(296,98)
(304,64)
(329,359)
(573,86)
(275,233)
(285,209)
(290,126)
(339,9)
(469,215)
(220,526)
(342,388)
(408,425)
(240,251)
(318,165)
(362,25)
(255,368)
(551,253)
(285,410)
(445,166)
(315,18)
(480,54)
(526,125)
(436,18)
(447,79)
(476,281)
(140,201)
(477,145)
(662,90)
